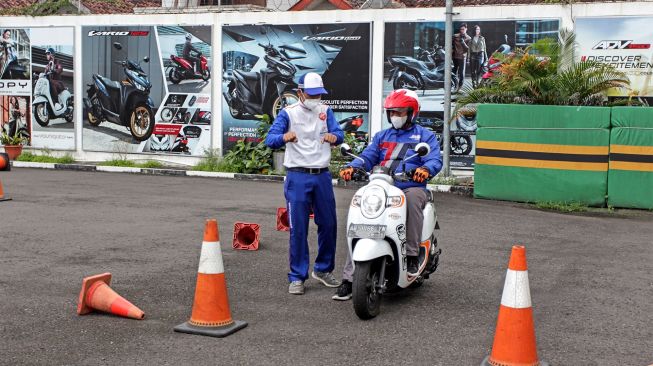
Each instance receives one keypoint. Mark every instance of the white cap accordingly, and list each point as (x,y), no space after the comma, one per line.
(311,83)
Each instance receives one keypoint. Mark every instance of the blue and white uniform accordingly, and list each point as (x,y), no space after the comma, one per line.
(308,183)
(389,147)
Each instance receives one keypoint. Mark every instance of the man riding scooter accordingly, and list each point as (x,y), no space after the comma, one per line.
(389,148)
(55,69)
(187,54)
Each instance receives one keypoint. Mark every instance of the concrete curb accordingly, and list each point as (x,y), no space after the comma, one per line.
(440,188)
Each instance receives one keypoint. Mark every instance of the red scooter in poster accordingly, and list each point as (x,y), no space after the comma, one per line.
(182,69)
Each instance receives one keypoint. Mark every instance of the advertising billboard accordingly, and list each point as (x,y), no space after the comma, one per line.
(414,58)
(263,63)
(149,89)
(36,84)
(622,42)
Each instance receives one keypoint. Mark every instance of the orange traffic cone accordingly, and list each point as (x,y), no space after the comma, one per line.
(282,219)
(246,236)
(4,162)
(211,315)
(96,294)
(514,339)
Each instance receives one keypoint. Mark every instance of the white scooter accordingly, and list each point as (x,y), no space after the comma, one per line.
(44,108)
(376,236)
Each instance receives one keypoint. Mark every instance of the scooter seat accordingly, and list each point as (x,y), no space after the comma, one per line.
(247,75)
(109,83)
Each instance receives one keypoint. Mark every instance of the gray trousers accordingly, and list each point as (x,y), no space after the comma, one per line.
(416,199)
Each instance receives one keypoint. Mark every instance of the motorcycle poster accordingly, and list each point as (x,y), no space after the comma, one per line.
(263,63)
(622,42)
(44,92)
(149,89)
(414,59)
(53,112)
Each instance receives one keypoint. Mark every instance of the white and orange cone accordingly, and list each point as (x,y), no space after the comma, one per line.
(97,295)
(514,339)
(211,315)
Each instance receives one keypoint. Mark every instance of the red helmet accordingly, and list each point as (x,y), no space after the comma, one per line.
(401,99)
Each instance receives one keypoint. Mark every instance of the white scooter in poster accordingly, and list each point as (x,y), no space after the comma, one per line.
(44,108)
(376,236)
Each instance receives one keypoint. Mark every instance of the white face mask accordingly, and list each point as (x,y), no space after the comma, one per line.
(312,103)
(398,122)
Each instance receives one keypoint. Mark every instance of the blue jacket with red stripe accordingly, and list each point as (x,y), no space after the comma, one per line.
(389,147)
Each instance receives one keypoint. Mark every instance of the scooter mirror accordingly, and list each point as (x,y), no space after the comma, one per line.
(117,45)
(422,149)
(146,59)
(345,149)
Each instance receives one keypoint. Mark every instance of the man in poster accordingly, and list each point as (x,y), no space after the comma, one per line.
(460,52)
(308,129)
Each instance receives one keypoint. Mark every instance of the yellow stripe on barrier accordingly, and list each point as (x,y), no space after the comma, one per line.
(548,148)
(542,164)
(629,149)
(632,166)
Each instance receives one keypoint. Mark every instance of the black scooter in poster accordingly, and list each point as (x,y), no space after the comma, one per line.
(267,91)
(424,73)
(126,103)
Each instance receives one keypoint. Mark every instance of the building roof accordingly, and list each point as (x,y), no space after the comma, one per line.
(441,3)
(117,6)
(87,6)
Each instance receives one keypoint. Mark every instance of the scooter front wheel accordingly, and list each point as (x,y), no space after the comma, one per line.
(41,114)
(206,75)
(141,123)
(365,296)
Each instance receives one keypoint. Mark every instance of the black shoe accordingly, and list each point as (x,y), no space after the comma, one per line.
(413,266)
(343,292)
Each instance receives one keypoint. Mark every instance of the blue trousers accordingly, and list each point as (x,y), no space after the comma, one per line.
(304,191)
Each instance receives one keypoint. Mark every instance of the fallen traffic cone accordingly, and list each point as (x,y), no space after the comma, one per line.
(246,236)
(97,295)
(4,162)
(514,339)
(211,315)
(282,219)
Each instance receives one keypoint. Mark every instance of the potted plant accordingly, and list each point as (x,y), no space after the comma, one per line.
(13,145)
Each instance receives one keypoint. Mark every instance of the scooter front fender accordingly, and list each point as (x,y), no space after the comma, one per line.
(40,99)
(368,249)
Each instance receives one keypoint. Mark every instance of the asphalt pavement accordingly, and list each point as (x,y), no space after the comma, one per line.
(590,279)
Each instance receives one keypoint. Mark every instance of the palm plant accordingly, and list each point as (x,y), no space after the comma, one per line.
(546,73)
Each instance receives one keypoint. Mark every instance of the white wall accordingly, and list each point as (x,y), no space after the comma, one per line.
(566,13)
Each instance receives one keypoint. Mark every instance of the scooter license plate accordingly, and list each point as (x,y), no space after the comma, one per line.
(366,231)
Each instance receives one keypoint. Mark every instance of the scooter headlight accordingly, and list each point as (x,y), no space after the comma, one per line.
(394,201)
(373,202)
(136,78)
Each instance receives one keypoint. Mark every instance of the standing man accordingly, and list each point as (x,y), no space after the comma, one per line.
(308,128)
(460,53)
(55,69)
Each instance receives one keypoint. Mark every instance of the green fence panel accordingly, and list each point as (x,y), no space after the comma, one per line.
(542,164)
(542,116)
(632,117)
(630,178)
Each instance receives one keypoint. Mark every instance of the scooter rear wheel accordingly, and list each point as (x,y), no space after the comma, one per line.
(365,296)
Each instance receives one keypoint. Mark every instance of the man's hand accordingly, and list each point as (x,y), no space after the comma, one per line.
(330,138)
(421,174)
(346,173)
(289,137)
